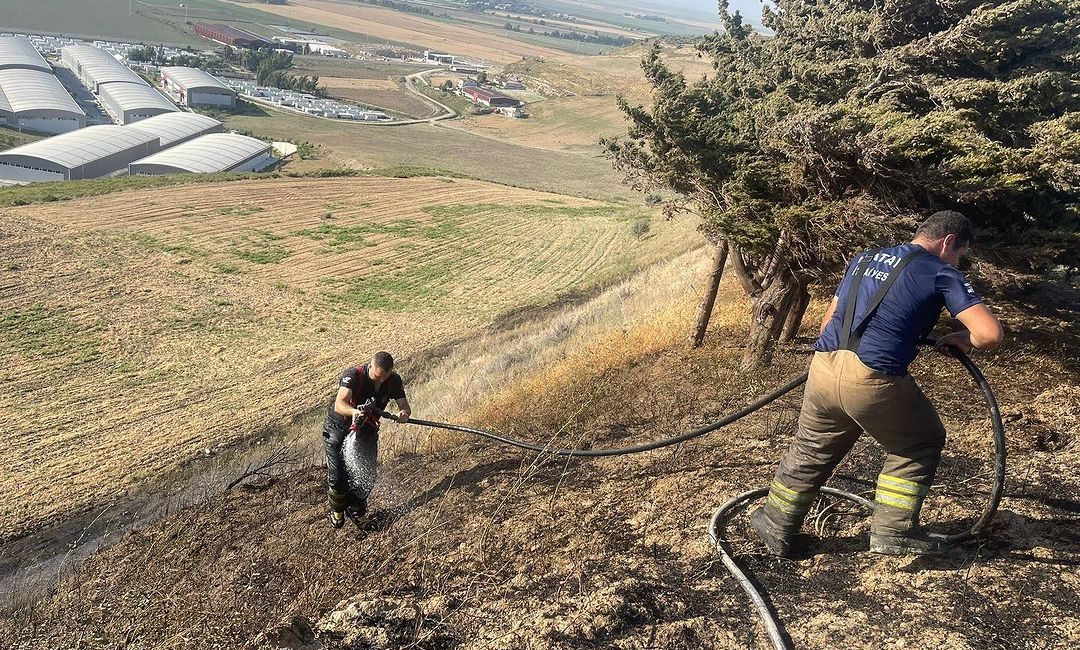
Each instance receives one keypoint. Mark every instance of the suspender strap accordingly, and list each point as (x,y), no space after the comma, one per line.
(851,337)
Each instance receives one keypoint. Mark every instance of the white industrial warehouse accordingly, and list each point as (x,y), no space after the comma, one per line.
(127,103)
(87,153)
(194,87)
(217,152)
(194,144)
(20,53)
(31,97)
(95,67)
(175,128)
(36,101)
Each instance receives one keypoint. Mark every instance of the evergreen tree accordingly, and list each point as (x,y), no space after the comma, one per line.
(854,119)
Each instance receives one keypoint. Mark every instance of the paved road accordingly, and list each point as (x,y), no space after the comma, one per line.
(86,100)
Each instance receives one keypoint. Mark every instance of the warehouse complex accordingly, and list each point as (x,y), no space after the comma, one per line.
(87,153)
(175,128)
(194,87)
(30,95)
(153,135)
(95,67)
(218,152)
(187,142)
(127,103)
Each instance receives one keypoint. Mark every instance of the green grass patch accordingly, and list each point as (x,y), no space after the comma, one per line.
(241,211)
(340,238)
(10,139)
(40,332)
(150,242)
(260,247)
(421,288)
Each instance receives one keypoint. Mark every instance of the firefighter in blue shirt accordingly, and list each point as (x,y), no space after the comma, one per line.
(887,301)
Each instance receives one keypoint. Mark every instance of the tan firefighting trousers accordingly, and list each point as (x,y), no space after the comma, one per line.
(844,398)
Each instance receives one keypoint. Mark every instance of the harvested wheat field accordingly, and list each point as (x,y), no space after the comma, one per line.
(409,28)
(141,329)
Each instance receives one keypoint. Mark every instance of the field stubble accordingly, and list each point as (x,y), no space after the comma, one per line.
(143,328)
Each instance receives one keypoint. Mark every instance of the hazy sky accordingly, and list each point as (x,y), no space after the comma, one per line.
(749,8)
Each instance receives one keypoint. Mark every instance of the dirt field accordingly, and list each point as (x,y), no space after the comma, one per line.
(380,93)
(141,328)
(425,145)
(409,28)
(563,124)
(479,546)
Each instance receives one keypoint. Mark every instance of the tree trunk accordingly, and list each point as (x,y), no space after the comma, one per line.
(701,323)
(795,315)
(749,284)
(767,318)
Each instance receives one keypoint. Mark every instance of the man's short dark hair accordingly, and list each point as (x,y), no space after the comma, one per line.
(948,222)
(383,360)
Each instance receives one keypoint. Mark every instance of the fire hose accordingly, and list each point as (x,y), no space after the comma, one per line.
(716,525)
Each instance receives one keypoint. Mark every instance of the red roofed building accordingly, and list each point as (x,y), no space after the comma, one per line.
(486,97)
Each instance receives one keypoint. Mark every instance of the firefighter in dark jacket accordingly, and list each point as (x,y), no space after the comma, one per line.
(372,384)
(859,381)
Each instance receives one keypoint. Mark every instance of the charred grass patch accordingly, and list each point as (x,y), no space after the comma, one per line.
(475,545)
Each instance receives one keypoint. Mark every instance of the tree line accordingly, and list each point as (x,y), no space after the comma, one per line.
(270,68)
(595,37)
(849,123)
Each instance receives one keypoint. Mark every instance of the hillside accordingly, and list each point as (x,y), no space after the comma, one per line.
(142,331)
(479,546)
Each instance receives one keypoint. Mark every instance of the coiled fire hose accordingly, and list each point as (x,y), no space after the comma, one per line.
(719,518)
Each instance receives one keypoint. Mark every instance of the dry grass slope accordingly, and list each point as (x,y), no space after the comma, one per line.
(478,546)
(142,328)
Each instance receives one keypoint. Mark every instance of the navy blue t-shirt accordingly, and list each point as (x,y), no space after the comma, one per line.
(908,312)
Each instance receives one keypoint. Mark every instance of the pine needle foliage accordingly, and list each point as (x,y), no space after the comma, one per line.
(852,119)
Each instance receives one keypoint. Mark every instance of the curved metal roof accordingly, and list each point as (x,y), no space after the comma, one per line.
(129,97)
(23,90)
(217,152)
(178,127)
(18,53)
(194,79)
(101,66)
(84,146)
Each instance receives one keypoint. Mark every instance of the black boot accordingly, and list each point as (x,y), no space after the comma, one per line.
(776,539)
(914,542)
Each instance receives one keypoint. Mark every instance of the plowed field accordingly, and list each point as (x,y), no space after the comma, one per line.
(139,329)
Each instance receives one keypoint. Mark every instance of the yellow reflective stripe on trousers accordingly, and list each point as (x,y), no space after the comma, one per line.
(901,485)
(896,501)
(899,492)
(789,501)
(789,495)
(785,507)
